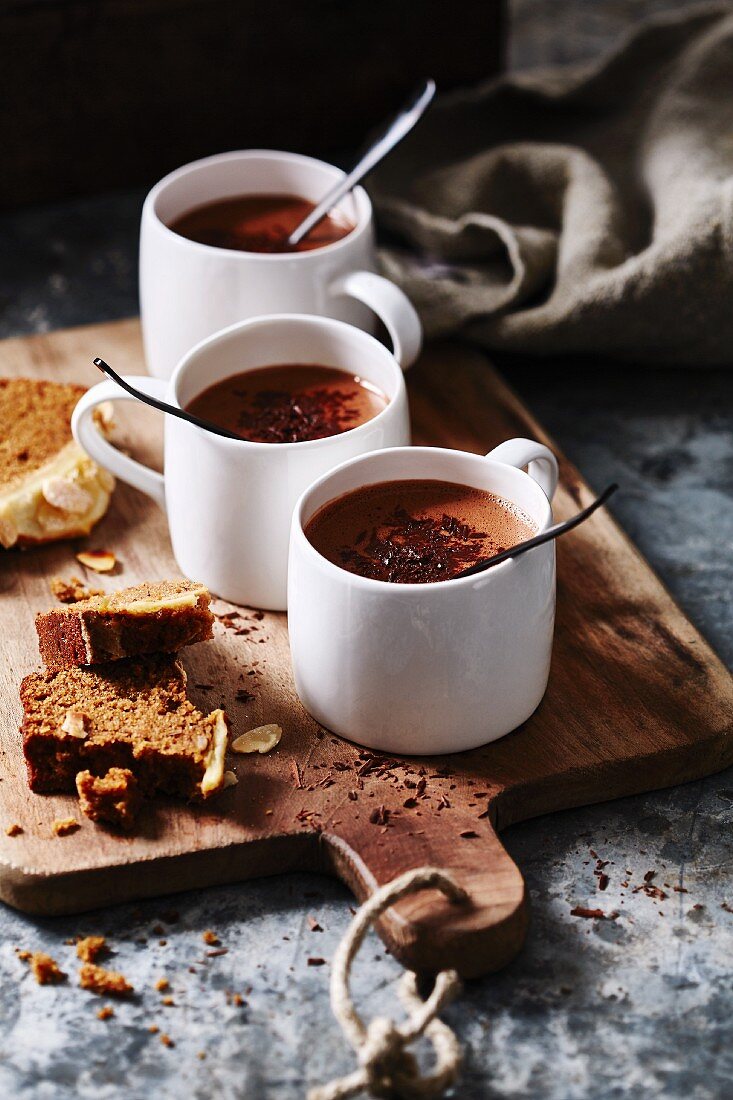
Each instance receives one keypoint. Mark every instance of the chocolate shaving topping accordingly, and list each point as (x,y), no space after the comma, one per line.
(280,416)
(408,550)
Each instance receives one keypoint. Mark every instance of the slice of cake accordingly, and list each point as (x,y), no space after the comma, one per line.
(49,488)
(131,713)
(113,798)
(158,617)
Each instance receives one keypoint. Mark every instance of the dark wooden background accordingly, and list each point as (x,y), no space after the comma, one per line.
(100,94)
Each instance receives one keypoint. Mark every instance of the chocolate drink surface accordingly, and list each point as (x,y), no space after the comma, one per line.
(417,531)
(258,223)
(289,403)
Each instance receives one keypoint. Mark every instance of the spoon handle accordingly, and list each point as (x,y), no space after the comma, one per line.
(163,406)
(397,129)
(544,536)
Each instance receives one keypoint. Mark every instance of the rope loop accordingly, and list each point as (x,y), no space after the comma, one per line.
(386,1067)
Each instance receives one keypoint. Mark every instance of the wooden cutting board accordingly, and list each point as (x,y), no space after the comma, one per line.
(636,700)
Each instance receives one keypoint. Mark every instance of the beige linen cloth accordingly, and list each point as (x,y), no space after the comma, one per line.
(579,210)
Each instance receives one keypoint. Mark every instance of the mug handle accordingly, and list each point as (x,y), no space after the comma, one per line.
(391,305)
(90,439)
(540,461)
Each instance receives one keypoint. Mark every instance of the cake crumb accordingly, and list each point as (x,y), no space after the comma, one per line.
(106,983)
(166,1040)
(201,1055)
(73,590)
(64,826)
(105,1013)
(14,830)
(113,798)
(168,1002)
(46,970)
(210,938)
(153,1029)
(89,948)
(162,985)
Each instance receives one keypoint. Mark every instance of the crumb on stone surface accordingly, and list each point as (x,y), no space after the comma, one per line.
(162,985)
(89,948)
(73,590)
(106,983)
(105,1013)
(14,830)
(46,970)
(210,938)
(166,1040)
(64,826)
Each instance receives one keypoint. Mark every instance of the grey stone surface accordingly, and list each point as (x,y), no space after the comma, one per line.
(590,1010)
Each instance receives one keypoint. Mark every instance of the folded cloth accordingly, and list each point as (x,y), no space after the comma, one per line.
(588,209)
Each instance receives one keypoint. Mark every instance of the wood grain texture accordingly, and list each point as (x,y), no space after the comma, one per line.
(636,700)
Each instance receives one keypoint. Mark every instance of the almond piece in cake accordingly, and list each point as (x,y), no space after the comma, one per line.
(113,798)
(132,713)
(156,617)
(49,488)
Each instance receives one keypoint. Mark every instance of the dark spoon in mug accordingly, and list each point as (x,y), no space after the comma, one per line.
(163,406)
(538,540)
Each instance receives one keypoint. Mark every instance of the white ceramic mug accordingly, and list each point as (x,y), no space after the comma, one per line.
(229,502)
(188,290)
(418,669)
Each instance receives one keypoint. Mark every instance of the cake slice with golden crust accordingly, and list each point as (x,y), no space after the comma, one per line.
(131,713)
(49,488)
(154,617)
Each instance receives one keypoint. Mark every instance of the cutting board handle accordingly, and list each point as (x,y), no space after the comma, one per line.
(426,932)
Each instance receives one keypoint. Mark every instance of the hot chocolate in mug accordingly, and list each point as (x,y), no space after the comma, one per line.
(190,290)
(229,502)
(419,669)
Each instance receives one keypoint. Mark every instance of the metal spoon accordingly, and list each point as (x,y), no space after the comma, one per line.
(395,131)
(538,540)
(163,406)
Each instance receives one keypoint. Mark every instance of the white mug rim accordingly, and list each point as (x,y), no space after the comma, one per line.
(345,576)
(236,255)
(276,320)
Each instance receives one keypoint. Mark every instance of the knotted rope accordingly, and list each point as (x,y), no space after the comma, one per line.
(386,1067)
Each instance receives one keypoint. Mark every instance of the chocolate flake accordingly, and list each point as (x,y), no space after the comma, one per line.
(592,914)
